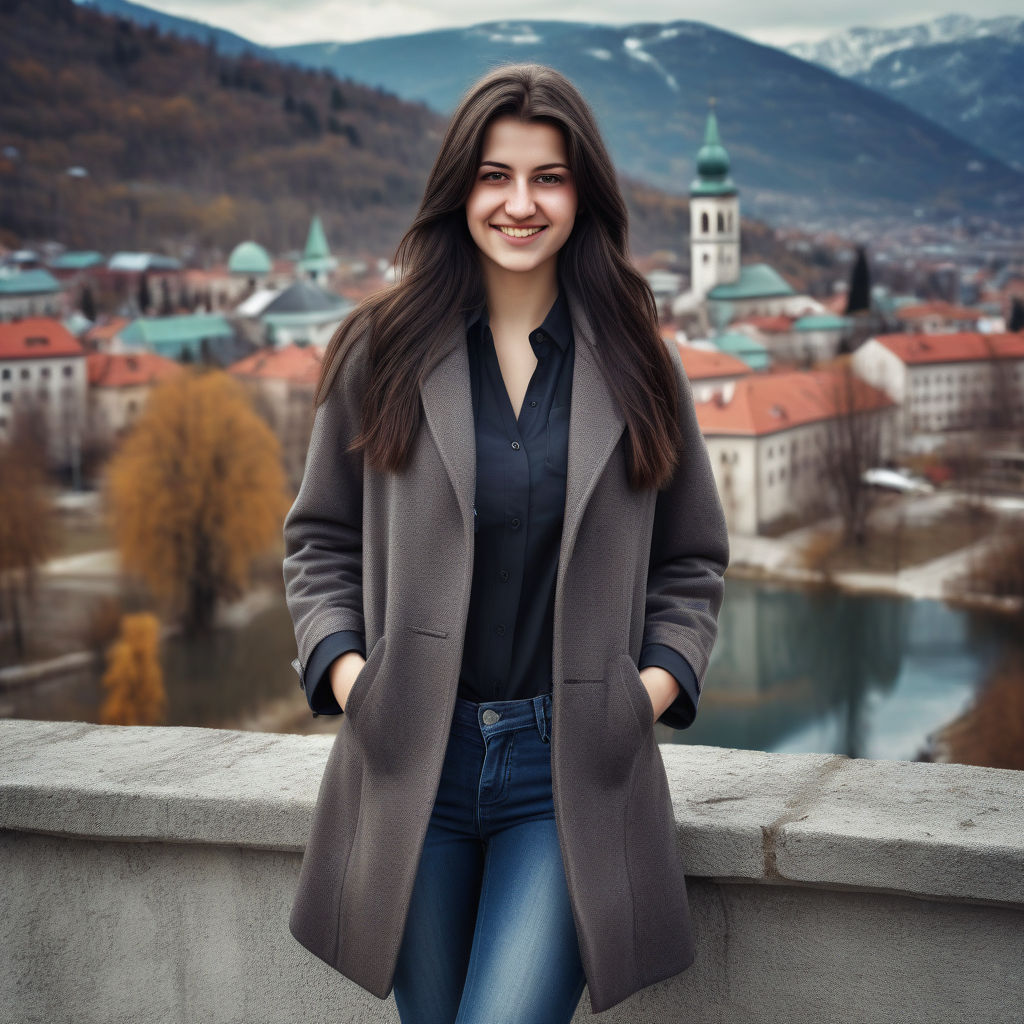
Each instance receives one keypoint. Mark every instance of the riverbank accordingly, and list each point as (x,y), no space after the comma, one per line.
(783,558)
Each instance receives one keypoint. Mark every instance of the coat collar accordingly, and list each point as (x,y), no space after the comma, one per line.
(595,421)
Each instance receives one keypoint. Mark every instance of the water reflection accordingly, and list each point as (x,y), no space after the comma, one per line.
(794,670)
(820,671)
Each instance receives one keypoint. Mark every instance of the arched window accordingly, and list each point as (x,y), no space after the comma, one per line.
(721,221)
(704,222)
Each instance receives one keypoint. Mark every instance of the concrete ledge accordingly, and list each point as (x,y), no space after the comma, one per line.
(944,830)
(149,873)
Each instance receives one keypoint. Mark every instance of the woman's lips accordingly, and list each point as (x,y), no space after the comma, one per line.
(519,241)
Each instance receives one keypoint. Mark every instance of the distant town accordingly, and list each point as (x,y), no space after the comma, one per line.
(84,336)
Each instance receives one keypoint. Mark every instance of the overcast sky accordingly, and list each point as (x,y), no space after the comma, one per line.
(274,23)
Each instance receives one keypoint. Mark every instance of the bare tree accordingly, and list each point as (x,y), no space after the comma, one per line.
(852,443)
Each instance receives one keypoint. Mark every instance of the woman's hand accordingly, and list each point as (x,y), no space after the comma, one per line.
(344,670)
(661,687)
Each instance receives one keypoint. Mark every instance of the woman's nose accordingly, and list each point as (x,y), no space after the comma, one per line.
(520,204)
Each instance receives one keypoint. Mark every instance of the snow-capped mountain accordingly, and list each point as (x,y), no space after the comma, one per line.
(961,72)
(803,140)
(856,50)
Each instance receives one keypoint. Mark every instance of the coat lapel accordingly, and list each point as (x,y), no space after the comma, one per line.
(595,423)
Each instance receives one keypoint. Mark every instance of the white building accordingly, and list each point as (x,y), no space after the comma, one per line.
(946,382)
(42,365)
(119,387)
(768,437)
(34,292)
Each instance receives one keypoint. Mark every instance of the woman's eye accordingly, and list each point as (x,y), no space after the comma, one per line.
(554,179)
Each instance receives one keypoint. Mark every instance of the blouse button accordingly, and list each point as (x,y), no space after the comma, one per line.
(515,444)
(515,524)
(503,573)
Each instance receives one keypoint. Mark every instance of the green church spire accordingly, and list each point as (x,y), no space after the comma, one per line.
(712,162)
(316,242)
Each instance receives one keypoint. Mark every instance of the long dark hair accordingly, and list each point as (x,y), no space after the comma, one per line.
(440,279)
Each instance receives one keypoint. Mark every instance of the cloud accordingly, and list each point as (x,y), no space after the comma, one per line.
(271,23)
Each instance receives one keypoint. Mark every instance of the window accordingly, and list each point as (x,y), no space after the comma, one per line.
(44,372)
(704,222)
(26,374)
(69,370)
(6,373)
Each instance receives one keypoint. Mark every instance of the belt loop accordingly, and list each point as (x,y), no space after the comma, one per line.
(540,711)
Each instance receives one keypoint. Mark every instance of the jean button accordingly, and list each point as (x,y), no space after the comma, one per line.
(490,716)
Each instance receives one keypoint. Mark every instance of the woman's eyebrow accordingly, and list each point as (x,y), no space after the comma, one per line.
(505,167)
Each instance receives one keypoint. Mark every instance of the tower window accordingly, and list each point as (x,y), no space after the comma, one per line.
(704,222)
(721,222)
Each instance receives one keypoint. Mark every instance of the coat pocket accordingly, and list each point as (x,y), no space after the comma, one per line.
(639,698)
(364,680)
(605,725)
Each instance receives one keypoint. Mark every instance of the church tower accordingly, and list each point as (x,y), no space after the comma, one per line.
(316,261)
(714,216)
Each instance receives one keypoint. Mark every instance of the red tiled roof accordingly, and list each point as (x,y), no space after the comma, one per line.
(700,363)
(37,337)
(297,363)
(777,323)
(937,308)
(766,403)
(963,346)
(128,369)
(104,332)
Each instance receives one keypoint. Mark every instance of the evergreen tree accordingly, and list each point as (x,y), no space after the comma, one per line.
(859,296)
(1016,315)
(88,304)
(144,299)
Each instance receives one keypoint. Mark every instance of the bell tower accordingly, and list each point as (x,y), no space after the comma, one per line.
(714,216)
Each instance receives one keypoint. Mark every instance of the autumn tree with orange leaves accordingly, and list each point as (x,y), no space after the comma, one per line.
(195,492)
(134,680)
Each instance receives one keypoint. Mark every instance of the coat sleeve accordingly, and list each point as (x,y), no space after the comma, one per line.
(689,556)
(323,530)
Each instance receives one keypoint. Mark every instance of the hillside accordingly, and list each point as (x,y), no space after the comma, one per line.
(188,151)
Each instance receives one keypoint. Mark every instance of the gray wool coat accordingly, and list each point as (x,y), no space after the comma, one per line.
(392,555)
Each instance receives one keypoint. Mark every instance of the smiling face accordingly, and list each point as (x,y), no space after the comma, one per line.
(523,204)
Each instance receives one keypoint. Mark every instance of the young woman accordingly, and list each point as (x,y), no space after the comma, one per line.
(508,504)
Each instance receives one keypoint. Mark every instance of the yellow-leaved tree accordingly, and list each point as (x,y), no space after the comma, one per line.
(195,492)
(134,680)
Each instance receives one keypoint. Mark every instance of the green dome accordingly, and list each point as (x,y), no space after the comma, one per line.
(249,258)
(712,164)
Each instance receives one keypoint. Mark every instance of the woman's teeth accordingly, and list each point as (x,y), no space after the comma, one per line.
(518,232)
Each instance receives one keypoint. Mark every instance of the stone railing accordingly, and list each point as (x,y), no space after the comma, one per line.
(148,874)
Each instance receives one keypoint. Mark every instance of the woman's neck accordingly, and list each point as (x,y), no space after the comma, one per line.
(518,302)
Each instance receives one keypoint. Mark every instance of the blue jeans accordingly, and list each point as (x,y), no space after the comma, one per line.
(490,937)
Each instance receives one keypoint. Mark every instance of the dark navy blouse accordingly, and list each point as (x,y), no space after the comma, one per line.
(520,498)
